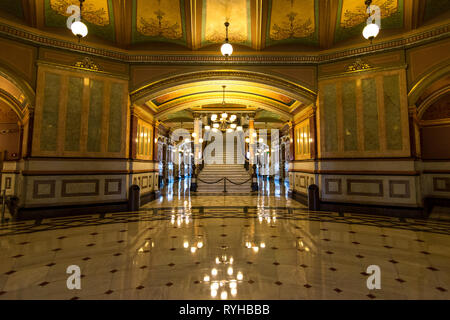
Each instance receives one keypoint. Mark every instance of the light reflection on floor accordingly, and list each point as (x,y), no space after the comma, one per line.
(237,246)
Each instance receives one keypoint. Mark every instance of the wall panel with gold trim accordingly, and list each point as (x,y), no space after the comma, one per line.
(364,115)
(80,114)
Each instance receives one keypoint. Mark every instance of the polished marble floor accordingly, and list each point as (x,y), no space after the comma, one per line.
(238,246)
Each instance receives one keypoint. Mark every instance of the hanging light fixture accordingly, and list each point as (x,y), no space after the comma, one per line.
(78,27)
(372,29)
(224,123)
(227,48)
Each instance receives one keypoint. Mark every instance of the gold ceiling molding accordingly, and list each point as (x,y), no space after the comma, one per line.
(255,102)
(13,103)
(239,75)
(21,85)
(432,75)
(430,100)
(401,41)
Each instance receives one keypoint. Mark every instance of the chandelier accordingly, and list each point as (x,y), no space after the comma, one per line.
(224,123)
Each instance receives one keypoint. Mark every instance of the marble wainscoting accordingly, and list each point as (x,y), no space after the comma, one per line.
(48,186)
(391,185)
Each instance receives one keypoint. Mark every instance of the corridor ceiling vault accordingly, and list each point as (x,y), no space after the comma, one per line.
(198,24)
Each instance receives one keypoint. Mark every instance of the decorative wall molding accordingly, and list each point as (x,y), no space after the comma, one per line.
(359,65)
(108,190)
(441,31)
(86,64)
(328,186)
(441,184)
(37,194)
(76,183)
(393,184)
(352,182)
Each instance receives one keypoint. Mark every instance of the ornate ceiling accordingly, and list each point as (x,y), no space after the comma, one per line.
(270,103)
(198,24)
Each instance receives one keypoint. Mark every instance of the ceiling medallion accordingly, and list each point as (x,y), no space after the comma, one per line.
(358,65)
(87,64)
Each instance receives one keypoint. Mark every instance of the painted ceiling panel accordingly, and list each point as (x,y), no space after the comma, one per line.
(158,20)
(12,7)
(217,12)
(436,7)
(97,14)
(352,17)
(293,21)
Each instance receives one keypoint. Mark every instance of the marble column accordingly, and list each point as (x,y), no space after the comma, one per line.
(197,136)
(252,137)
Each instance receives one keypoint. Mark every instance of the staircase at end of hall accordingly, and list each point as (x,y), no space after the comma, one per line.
(233,171)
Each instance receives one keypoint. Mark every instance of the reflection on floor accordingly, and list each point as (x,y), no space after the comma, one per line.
(261,246)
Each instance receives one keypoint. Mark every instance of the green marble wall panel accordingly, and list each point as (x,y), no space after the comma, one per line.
(329,117)
(50,112)
(115,118)
(370,114)
(73,114)
(95,116)
(349,110)
(391,86)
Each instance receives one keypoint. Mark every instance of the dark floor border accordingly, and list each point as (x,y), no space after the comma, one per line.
(76,210)
(380,210)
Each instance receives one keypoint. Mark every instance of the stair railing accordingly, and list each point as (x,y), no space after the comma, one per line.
(225,182)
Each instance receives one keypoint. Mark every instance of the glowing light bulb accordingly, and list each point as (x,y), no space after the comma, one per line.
(371,31)
(226,49)
(223,295)
(230,271)
(239,276)
(214,272)
(185,244)
(214,117)
(206,278)
(79,29)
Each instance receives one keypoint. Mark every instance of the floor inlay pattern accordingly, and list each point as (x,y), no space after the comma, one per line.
(268,213)
(234,253)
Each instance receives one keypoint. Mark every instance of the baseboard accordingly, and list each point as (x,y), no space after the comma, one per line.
(430,202)
(72,210)
(297,196)
(75,210)
(148,197)
(379,210)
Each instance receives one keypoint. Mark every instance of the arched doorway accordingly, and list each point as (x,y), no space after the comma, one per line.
(10,133)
